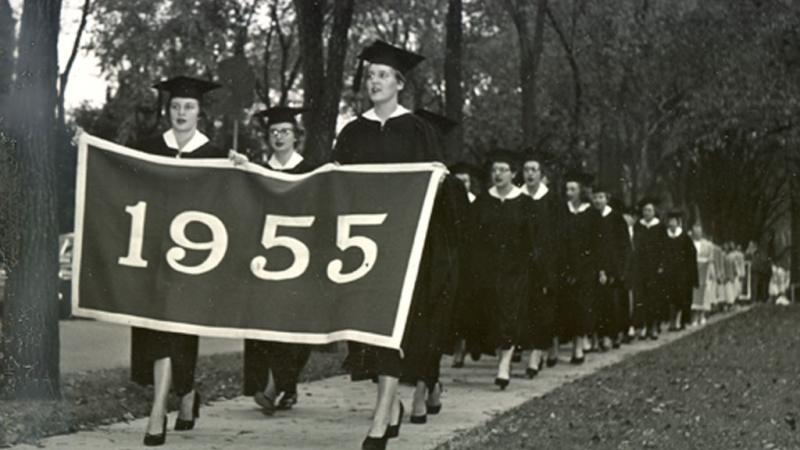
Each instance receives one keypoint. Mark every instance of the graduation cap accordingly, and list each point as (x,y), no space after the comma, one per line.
(675,214)
(464,167)
(188,87)
(380,52)
(543,157)
(578,176)
(442,123)
(503,156)
(279,114)
(648,201)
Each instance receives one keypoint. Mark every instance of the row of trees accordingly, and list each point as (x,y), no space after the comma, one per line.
(690,100)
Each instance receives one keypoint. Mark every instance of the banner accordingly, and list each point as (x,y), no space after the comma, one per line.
(201,246)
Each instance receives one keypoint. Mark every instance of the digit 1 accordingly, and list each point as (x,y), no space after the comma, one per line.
(136,240)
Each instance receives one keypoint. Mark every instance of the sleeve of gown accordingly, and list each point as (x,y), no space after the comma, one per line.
(431,147)
(341,151)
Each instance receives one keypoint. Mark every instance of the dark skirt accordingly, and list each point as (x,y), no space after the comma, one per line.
(542,323)
(148,346)
(576,312)
(286,361)
(500,314)
(650,305)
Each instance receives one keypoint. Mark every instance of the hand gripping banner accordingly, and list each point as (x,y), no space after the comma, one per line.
(201,246)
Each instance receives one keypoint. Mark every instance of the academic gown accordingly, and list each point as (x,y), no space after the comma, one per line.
(680,272)
(579,271)
(148,346)
(501,236)
(285,360)
(402,138)
(614,247)
(542,275)
(650,304)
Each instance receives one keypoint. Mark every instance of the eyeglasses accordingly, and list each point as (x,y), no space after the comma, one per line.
(281,132)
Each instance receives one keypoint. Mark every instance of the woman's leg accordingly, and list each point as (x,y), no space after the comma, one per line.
(387,407)
(504,364)
(419,406)
(162,380)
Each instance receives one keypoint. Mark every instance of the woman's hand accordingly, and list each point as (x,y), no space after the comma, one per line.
(77,136)
(238,159)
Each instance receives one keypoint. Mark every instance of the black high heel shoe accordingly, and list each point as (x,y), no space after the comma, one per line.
(551,362)
(186,425)
(373,443)
(533,371)
(392,431)
(502,383)
(435,409)
(155,440)
(577,361)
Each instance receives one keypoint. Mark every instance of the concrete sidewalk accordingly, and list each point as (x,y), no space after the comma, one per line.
(91,345)
(335,413)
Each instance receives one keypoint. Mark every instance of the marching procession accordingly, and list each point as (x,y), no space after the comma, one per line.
(514,265)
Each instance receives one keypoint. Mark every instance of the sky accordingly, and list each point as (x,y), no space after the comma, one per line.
(85,81)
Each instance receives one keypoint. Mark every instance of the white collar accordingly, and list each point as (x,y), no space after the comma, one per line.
(541,191)
(471,196)
(652,223)
(293,162)
(373,116)
(512,194)
(606,211)
(198,140)
(678,231)
(579,209)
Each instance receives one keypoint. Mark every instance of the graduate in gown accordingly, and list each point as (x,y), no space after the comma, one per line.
(630,215)
(614,247)
(680,271)
(387,133)
(502,235)
(542,279)
(271,369)
(579,270)
(649,237)
(431,335)
(468,175)
(164,359)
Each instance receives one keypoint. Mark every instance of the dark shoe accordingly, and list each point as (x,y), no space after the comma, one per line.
(267,404)
(419,420)
(577,361)
(653,337)
(392,431)
(551,362)
(287,401)
(502,383)
(458,364)
(435,409)
(186,425)
(373,443)
(476,356)
(154,440)
(531,372)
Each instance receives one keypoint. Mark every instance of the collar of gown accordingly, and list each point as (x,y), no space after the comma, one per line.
(293,162)
(541,191)
(471,197)
(373,116)
(512,194)
(650,224)
(606,211)
(198,140)
(579,209)
(673,234)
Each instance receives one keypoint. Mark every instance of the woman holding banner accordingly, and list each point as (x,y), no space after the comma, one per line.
(271,369)
(161,358)
(387,133)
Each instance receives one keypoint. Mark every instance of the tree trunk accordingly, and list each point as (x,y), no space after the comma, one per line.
(453,79)
(322,78)
(531,44)
(30,321)
(7,45)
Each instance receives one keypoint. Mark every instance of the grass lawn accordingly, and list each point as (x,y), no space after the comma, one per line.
(107,396)
(731,385)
